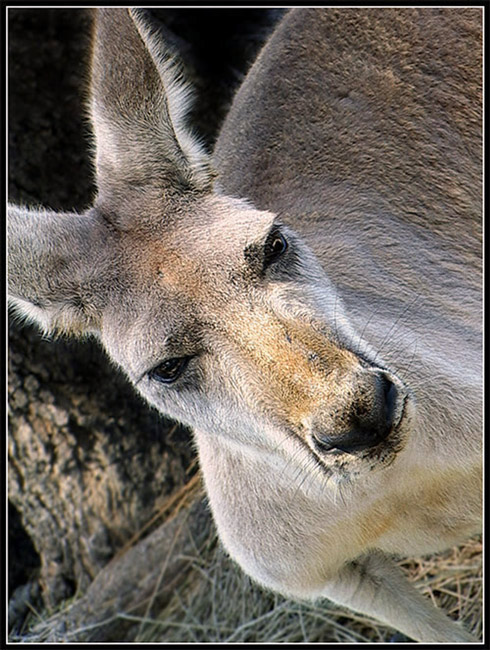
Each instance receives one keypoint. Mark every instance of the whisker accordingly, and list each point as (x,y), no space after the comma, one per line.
(400,346)
(410,305)
(308,474)
(335,329)
(361,336)
(408,367)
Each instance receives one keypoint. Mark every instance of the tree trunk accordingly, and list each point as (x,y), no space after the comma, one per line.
(136,584)
(89,463)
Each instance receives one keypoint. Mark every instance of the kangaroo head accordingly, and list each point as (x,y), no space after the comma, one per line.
(219,314)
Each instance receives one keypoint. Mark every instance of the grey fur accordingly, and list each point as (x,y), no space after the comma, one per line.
(357,133)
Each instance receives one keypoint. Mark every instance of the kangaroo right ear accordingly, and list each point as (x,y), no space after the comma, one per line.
(54,265)
(138,107)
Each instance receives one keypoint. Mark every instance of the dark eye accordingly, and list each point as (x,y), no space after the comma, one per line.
(275,246)
(170,370)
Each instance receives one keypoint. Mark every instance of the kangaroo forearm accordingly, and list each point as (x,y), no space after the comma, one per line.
(374,586)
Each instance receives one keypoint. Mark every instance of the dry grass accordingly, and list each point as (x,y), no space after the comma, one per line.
(216,603)
(453,580)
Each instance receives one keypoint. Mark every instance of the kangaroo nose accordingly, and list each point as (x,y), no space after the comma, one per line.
(362,424)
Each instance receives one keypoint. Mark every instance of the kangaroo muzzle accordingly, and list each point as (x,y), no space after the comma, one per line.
(336,401)
(363,420)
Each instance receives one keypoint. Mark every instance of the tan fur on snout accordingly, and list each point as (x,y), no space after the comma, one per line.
(299,370)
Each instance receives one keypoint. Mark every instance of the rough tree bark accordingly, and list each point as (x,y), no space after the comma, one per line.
(89,463)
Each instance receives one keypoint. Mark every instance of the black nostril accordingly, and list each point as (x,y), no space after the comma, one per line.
(323,442)
(353,440)
(389,394)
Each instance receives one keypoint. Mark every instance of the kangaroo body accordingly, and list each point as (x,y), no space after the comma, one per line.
(313,310)
(397,227)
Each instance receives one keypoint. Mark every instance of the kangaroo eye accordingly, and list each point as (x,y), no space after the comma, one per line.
(275,246)
(170,370)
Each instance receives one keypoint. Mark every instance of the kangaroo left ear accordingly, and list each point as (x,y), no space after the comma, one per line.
(54,261)
(138,108)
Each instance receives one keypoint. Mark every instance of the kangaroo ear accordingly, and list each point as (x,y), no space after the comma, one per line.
(138,107)
(54,261)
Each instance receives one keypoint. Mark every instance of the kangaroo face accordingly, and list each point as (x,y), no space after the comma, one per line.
(228,323)
(364,126)
(220,315)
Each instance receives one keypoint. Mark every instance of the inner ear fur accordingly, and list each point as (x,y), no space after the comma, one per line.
(55,261)
(138,108)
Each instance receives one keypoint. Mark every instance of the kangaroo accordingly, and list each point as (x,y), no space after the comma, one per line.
(308,299)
